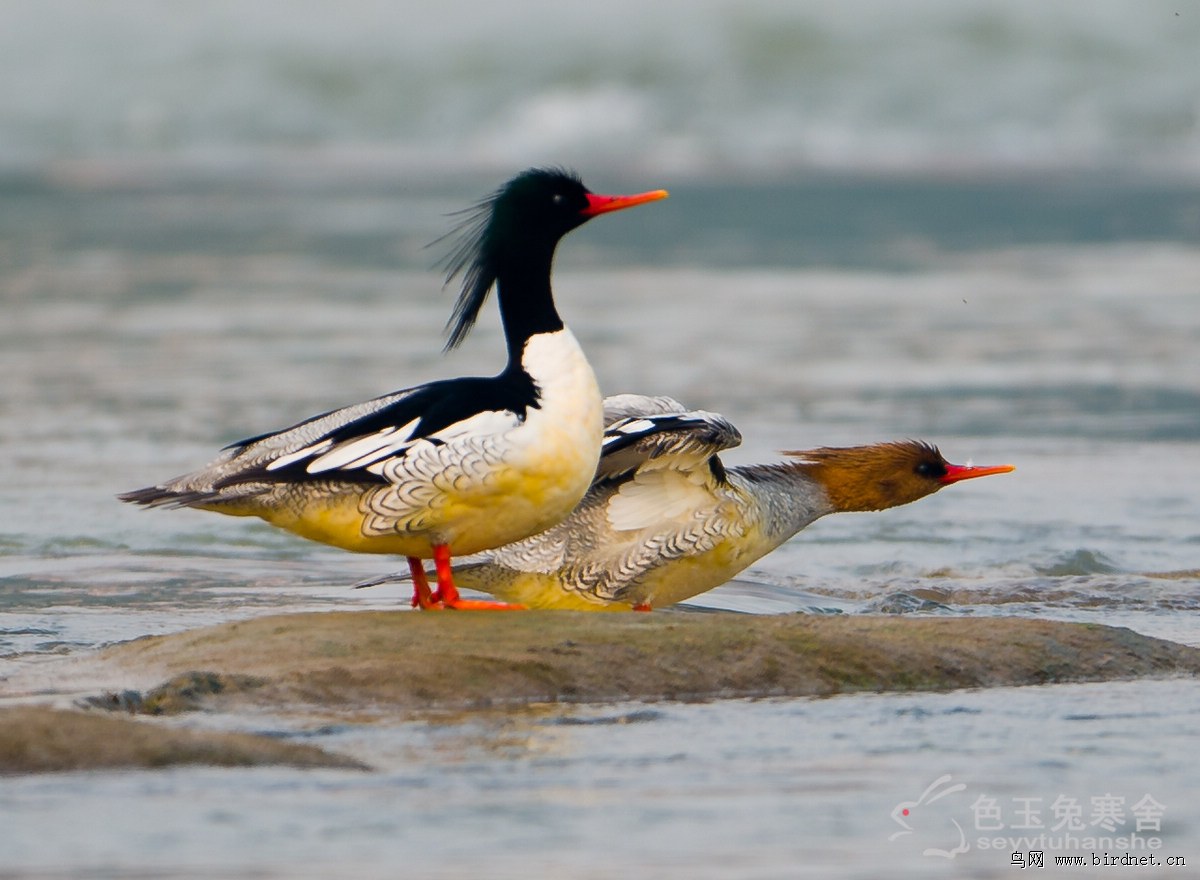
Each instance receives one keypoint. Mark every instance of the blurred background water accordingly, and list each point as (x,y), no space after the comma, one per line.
(971,223)
(694,87)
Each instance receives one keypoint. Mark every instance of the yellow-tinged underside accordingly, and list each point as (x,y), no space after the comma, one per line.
(536,590)
(479,491)
(512,506)
(330,519)
(670,582)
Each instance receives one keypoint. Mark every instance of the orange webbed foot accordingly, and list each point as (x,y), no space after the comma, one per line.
(484,605)
(423,597)
(447,596)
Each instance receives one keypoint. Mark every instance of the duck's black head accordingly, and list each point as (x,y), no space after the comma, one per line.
(513,233)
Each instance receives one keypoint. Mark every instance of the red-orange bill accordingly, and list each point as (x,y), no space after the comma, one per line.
(957,472)
(605,204)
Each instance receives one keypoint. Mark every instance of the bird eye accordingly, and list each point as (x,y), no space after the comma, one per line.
(558,198)
(930,469)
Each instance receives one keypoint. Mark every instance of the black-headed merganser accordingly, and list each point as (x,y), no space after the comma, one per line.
(451,467)
(665,520)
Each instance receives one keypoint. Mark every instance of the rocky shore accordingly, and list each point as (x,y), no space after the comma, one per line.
(401,662)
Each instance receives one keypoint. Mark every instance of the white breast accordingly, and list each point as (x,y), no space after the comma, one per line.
(569,420)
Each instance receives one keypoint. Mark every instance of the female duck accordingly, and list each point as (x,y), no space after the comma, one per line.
(665,520)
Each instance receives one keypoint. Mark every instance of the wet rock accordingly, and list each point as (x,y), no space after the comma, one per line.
(183,693)
(36,739)
(187,692)
(112,701)
(414,660)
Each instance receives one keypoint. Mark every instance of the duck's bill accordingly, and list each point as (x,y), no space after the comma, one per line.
(607,204)
(956,473)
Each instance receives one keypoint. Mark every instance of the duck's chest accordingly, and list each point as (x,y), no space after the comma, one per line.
(563,431)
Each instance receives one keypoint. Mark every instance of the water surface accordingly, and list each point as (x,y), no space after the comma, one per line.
(974,226)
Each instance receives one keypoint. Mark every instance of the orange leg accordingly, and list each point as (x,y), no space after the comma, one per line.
(447,592)
(641,606)
(422,596)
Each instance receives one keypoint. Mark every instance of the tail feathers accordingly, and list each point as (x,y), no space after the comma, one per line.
(396,577)
(159,496)
(169,497)
(463,569)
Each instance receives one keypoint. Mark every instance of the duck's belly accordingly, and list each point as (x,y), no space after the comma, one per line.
(458,496)
(533,589)
(513,503)
(668,583)
(683,578)
(671,582)
(472,490)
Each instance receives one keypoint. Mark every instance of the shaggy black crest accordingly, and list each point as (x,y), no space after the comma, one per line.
(531,212)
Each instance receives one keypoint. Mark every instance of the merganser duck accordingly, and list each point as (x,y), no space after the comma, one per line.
(665,520)
(451,467)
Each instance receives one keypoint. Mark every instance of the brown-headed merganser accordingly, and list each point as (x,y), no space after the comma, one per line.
(665,520)
(456,466)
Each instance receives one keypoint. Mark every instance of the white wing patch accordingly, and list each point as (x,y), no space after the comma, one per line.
(372,451)
(299,454)
(633,426)
(484,426)
(656,498)
(362,451)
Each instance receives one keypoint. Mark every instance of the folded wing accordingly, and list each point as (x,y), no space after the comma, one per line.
(657,496)
(388,440)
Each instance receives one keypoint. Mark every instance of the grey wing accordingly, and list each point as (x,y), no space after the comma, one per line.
(388,443)
(625,406)
(252,466)
(638,436)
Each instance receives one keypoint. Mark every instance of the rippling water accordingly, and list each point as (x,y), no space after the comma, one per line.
(137,347)
(730,789)
(129,360)
(176,275)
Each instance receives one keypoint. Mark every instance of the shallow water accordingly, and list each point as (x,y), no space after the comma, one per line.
(733,788)
(1003,262)
(1077,362)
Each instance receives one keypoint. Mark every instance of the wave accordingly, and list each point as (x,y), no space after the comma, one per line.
(1082,580)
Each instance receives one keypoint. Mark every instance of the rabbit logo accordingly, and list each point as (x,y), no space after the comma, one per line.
(917,813)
